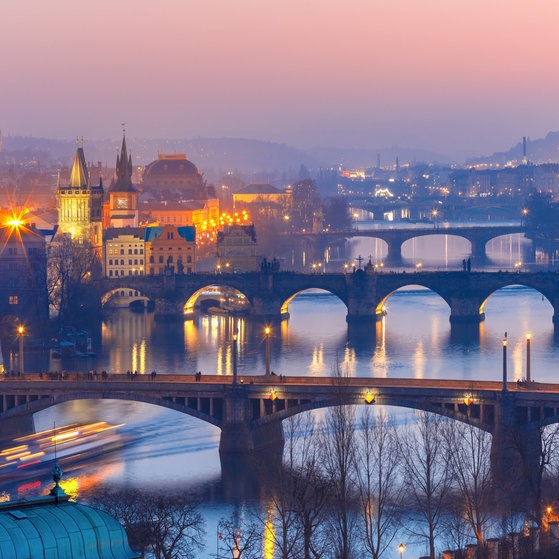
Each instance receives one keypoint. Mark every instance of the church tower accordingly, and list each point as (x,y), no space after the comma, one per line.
(80,205)
(123,197)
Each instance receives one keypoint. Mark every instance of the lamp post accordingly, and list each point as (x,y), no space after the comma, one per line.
(21,332)
(267,332)
(505,363)
(528,372)
(401,549)
(235,357)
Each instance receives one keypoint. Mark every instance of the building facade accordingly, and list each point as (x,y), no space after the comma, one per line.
(124,253)
(23,273)
(237,249)
(170,250)
(80,205)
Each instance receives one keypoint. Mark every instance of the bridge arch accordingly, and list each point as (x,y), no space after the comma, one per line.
(42,404)
(516,282)
(424,287)
(308,290)
(469,414)
(223,296)
(124,297)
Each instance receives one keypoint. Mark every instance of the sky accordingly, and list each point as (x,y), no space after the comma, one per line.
(452,76)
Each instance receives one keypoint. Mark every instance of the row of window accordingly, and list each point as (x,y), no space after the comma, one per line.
(115,262)
(130,251)
(118,273)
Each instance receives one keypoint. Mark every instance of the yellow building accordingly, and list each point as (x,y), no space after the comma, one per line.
(263,194)
(124,252)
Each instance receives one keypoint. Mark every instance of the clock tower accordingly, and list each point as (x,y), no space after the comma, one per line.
(123,197)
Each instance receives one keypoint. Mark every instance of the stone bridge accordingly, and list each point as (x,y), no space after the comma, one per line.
(363,293)
(396,237)
(250,412)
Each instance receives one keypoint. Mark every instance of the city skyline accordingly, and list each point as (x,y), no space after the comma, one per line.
(460,79)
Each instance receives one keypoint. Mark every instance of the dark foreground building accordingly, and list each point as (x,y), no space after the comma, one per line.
(53,527)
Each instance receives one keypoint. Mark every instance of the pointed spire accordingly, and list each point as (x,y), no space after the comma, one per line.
(79,177)
(123,179)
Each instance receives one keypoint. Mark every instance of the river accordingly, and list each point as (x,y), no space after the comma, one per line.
(162,449)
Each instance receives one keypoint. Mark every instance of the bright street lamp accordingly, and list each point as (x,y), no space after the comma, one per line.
(528,371)
(235,357)
(401,549)
(21,333)
(267,332)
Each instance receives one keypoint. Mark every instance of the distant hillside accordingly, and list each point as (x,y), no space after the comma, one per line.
(543,150)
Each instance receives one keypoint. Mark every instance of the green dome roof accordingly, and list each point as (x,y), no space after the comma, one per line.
(59,529)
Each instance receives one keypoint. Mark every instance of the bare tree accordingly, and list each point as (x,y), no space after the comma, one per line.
(242,540)
(338,459)
(468,451)
(426,474)
(380,490)
(72,269)
(165,526)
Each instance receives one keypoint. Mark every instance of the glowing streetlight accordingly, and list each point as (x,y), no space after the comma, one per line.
(401,549)
(528,372)
(435,214)
(505,363)
(21,333)
(267,332)
(235,356)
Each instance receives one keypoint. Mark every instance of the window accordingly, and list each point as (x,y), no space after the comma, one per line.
(170,235)
(110,262)
(110,273)
(121,251)
(189,270)
(189,259)
(161,259)
(122,262)
(130,262)
(129,251)
(151,260)
(13,300)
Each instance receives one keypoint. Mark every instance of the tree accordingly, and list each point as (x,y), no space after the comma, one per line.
(336,214)
(380,490)
(338,459)
(166,526)
(468,451)
(242,540)
(72,269)
(426,474)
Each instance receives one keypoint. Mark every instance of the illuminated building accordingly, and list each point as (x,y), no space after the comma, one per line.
(179,213)
(263,194)
(80,205)
(123,196)
(23,284)
(236,249)
(176,178)
(170,250)
(124,252)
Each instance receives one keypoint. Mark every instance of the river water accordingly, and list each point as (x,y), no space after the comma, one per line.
(162,449)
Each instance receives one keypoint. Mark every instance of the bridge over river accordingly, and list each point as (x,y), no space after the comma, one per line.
(363,292)
(395,237)
(250,410)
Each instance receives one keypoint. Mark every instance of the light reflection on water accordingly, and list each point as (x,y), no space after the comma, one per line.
(163,449)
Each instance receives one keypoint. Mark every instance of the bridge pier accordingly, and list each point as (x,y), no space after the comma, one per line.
(169,309)
(466,310)
(16,426)
(515,452)
(362,299)
(240,434)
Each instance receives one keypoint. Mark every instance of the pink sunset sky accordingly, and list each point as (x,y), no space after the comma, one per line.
(455,76)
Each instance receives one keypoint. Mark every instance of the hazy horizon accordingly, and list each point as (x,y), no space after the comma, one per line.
(457,78)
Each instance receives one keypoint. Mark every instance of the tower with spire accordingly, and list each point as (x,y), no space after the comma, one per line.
(80,205)
(123,196)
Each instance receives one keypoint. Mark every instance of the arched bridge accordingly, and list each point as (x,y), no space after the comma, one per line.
(250,412)
(396,237)
(363,292)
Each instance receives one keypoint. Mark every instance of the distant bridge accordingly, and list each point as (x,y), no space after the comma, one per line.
(395,237)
